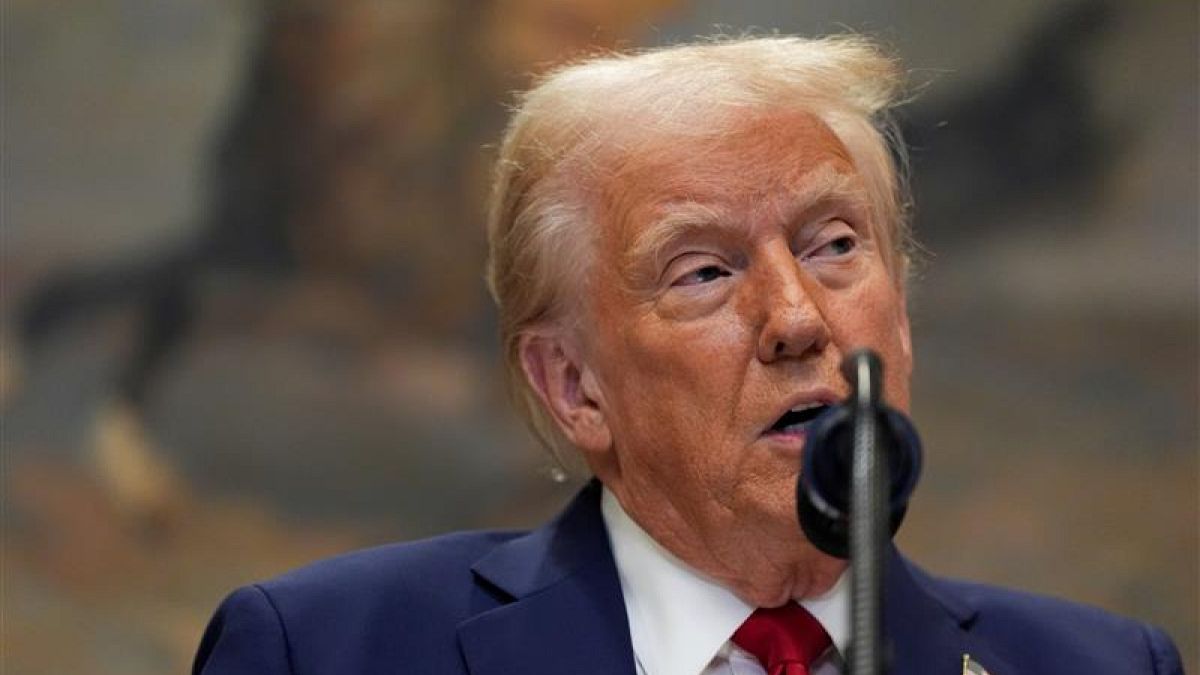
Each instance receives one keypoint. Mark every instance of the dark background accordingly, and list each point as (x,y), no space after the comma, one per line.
(244,323)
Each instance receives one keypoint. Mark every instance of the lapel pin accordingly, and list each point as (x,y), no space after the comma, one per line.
(972,667)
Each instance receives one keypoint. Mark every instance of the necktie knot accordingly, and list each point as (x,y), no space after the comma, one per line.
(785,640)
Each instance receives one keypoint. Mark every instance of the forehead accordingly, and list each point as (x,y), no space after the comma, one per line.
(765,161)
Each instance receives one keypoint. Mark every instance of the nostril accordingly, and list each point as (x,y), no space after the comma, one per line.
(789,331)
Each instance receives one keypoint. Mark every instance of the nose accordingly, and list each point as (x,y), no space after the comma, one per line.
(792,323)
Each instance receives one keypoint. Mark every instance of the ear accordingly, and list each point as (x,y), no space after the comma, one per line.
(568,389)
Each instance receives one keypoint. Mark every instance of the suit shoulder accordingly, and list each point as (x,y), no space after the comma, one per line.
(361,612)
(1033,623)
(1009,603)
(389,584)
(390,567)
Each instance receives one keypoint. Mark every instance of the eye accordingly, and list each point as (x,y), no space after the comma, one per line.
(701,275)
(835,239)
(838,247)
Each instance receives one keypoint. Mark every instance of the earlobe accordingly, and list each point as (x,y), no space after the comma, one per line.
(905,329)
(567,389)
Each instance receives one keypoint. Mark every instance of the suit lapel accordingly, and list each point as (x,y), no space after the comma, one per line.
(930,630)
(566,613)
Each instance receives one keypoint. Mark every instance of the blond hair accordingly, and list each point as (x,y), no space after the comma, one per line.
(581,119)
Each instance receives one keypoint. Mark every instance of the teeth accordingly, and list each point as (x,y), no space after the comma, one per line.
(806,406)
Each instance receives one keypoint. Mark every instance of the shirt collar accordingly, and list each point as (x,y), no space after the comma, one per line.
(679,619)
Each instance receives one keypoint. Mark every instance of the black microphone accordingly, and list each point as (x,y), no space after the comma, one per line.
(823,490)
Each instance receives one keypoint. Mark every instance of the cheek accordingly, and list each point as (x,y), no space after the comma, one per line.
(875,318)
(684,359)
(675,385)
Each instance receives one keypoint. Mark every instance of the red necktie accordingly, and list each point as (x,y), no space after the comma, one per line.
(785,640)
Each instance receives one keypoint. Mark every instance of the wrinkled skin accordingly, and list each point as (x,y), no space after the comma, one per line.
(691,344)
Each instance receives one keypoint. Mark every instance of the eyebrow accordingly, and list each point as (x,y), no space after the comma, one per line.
(821,185)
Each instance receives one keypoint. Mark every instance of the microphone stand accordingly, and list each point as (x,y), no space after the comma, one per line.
(869,531)
(860,464)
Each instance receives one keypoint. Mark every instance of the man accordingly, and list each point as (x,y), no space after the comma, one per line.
(684,245)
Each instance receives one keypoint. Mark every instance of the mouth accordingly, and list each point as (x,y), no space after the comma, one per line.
(796,420)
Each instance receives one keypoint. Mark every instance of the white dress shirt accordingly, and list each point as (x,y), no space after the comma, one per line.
(681,622)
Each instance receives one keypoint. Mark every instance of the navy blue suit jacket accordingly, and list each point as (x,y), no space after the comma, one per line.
(549,602)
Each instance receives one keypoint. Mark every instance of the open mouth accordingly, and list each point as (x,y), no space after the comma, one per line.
(797,419)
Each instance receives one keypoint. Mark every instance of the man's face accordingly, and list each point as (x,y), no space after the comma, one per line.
(730,281)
